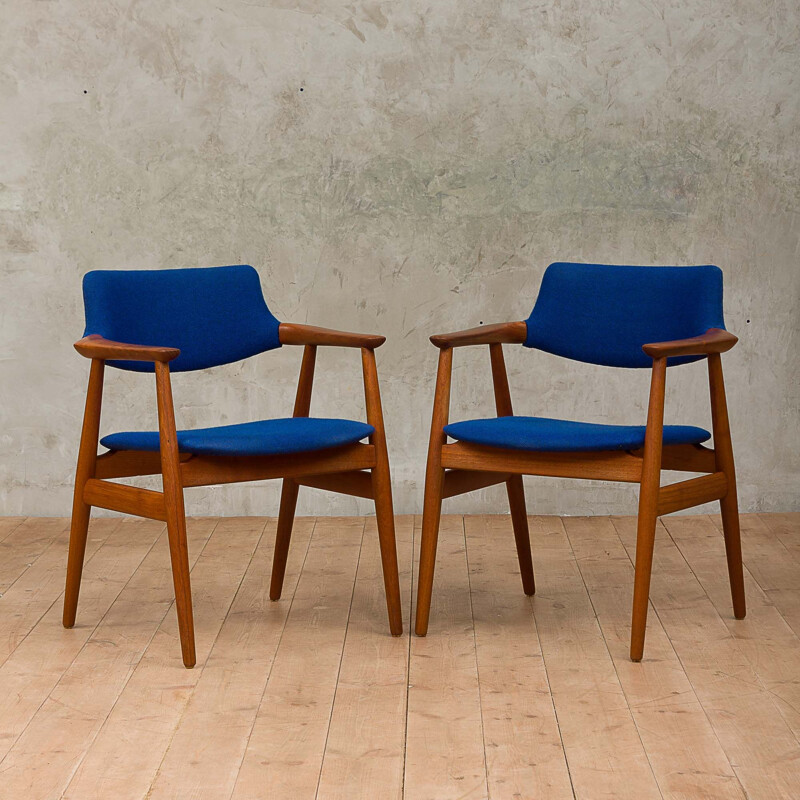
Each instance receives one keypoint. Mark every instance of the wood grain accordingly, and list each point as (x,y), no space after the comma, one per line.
(445,755)
(96,347)
(209,742)
(601,466)
(681,745)
(286,746)
(295,333)
(30,597)
(39,662)
(524,757)
(126,499)
(757,741)
(714,340)
(147,710)
(365,748)
(508,697)
(496,333)
(604,751)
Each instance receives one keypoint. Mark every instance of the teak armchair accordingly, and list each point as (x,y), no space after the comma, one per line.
(167,321)
(636,317)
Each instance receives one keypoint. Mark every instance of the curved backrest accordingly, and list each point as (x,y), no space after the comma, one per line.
(603,314)
(215,315)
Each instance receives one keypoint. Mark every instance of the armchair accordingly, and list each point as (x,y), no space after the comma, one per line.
(189,319)
(617,316)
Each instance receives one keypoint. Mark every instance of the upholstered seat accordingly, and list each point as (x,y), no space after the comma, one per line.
(554,435)
(263,438)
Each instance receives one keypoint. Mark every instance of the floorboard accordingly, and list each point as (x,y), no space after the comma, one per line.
(757,741)
(508,697)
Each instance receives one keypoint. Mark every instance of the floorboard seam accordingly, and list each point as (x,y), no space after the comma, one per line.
(477,666)
(269,672)
(341,658)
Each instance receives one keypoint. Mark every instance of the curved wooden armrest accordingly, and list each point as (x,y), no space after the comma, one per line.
(295,333)
(95,346)
(714,340)
(500,333)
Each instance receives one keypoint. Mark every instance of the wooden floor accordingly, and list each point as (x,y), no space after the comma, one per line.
(507,697)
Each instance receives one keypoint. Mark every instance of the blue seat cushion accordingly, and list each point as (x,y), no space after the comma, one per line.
(267,437)
(541,433)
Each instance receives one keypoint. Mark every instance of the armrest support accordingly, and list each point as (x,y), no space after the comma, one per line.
(500,333)
(95,346)
(295,333)
(714,340)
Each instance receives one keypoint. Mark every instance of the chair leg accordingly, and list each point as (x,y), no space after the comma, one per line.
(729,506)
(648,506)
(431,515)
(382,489)
(283,536)
(519,519)
(645,542)
(87,459)
(79,529)
(176,513)
(179,556)
(729,509)
(434,485)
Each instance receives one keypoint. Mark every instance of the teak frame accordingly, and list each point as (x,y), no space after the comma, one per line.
(359,469)
(460,467)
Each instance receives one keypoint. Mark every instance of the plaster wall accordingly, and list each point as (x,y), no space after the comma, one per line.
(405,168)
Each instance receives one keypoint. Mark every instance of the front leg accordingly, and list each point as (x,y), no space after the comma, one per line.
(87,460)
(176,514)
(648,507)
(382,492)
(434,482)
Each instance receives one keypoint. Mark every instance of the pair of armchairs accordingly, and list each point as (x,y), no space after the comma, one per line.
(166,321)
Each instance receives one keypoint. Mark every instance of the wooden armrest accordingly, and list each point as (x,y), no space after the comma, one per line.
(294,333)
(500,333)
(714,340)
(95,346)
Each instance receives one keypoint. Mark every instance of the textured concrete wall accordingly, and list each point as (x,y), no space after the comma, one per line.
(402,167)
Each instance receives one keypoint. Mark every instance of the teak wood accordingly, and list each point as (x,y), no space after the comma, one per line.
(359,469)
(460,467)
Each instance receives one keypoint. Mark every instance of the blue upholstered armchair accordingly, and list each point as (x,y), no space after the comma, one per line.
(167,321)
(617,316)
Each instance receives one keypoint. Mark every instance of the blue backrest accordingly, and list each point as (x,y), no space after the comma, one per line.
(603,314)
(215,315)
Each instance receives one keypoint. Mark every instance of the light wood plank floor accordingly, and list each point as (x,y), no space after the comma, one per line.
(507,697)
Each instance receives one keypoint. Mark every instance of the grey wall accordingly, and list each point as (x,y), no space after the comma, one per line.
(439,156)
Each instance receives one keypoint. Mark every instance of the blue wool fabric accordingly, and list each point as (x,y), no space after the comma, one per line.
(264,438)
(553,435)
(214,316)
(603,314)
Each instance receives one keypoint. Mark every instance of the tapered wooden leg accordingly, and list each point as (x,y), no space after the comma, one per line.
(87,458)
(519,519)
(382,491)
(648,507)
(514,487)
(431,515)
(434,482)
(179,557)
(302,406)
(283,536)
(176,514)
(645,541)
(729,507)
